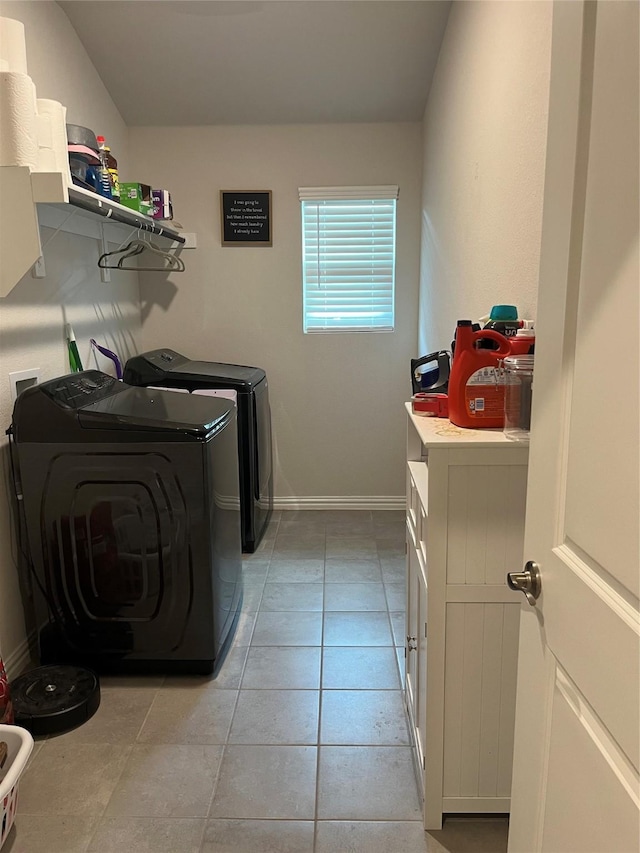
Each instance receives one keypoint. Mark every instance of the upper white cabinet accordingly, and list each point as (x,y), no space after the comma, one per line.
(466,492)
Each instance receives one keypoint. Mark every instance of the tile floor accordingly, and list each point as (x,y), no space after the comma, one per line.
(299,745)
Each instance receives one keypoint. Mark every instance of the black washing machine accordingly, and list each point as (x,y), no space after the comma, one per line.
(165,368)
(132,513)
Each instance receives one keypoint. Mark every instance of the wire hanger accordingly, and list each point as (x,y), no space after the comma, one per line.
(172,262)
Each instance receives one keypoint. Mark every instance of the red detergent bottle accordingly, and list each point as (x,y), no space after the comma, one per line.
(476,387)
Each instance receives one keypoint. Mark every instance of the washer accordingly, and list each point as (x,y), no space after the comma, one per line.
(165,368)
(132,512)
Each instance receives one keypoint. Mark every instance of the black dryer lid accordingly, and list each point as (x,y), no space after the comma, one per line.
(161,366)
(236,376)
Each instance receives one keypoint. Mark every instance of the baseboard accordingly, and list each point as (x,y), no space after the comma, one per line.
(19,659)
(341,502)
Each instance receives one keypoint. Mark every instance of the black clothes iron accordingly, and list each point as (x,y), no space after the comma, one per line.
(433,379)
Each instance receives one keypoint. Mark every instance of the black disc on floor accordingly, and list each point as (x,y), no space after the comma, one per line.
(54,698)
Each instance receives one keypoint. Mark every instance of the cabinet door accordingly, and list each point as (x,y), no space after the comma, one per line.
(411,655)
(421,667)
(416,659)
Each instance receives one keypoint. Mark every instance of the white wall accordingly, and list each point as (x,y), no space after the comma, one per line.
(484,152)
(337,399)
(32,316)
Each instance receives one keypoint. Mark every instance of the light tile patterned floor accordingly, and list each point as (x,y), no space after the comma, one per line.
(299,745)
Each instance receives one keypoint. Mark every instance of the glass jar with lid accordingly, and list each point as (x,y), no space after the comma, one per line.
(518,379)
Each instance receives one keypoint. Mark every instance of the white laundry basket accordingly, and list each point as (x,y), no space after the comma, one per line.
(19,743)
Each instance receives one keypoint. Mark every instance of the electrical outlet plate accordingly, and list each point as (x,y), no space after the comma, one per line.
(39,270)
(19,380)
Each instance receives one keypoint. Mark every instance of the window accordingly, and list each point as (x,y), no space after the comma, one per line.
(348,258)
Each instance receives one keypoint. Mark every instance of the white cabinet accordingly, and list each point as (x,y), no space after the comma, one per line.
(466,492)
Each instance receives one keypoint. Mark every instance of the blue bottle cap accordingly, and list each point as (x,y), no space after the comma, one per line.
(504,312)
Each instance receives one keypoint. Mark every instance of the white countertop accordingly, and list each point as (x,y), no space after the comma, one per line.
(440,432)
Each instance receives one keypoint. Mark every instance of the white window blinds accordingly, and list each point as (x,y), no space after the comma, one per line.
(348,258)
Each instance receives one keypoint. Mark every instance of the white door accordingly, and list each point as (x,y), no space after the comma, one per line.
(576,760)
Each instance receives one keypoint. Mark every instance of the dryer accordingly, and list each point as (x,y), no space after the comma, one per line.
(132,512)
(165,368)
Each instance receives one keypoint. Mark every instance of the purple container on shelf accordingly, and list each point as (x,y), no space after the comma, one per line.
(162,207)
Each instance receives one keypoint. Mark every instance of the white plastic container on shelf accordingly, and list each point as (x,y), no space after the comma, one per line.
(19,744)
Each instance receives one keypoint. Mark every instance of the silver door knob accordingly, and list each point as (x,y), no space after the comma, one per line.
(412,645)
(528,582)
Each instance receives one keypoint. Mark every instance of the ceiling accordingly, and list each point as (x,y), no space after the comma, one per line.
(207,62)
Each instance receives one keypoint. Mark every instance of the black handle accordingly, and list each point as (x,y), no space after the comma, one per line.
(443,360)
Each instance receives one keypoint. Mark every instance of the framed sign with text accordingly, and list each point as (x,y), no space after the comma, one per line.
(246,217)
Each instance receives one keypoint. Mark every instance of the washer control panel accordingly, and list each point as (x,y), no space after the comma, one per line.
(81,389)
